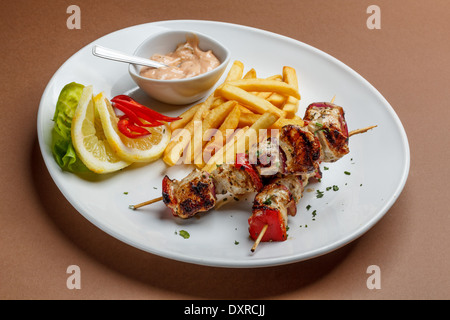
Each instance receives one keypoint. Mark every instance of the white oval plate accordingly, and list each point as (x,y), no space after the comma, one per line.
(378,162)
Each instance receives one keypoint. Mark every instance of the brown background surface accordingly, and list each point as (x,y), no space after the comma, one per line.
(41,234)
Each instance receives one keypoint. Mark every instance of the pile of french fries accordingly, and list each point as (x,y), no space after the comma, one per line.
(212,132)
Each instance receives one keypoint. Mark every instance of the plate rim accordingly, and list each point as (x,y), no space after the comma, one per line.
(258,262)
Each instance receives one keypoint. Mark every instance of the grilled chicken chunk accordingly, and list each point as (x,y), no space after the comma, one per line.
(228,178)
(301,149)
(294,185)
(270,160)
(195,193)
(272,205)
(327,122)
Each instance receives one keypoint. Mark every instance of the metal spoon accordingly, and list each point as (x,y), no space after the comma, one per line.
(110,54)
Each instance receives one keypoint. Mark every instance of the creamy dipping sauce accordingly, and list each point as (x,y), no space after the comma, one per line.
(185,62)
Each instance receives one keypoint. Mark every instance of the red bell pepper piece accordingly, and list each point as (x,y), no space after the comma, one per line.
(276,230)
(242,162)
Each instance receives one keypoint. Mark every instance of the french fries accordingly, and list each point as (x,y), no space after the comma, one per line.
(247,119)
(180,141)
(236,71)
(229,120)
(212,121)
(265,85)
(280,123)
(226,130)
(291,104)
(241,143)
(186,117)
(252,102)
(251,74)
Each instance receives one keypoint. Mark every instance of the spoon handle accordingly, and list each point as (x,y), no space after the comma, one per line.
(106,53)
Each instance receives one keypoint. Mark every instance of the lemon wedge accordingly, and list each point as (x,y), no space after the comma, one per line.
(89,140)
(143,149)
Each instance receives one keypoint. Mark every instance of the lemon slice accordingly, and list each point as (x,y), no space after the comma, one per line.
(143,149)
(89,139)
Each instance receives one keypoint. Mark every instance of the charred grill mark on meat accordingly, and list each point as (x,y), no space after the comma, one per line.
(195,193)
(327,121)
(301,149)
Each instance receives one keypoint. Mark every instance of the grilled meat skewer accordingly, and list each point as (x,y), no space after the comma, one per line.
(276,201)
(300,151)
(197,192)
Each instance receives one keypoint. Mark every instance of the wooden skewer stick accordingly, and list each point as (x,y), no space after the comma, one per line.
(135,206)
(260,236)
(332,100)
(358,131)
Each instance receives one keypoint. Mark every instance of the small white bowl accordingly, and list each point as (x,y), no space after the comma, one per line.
(178,91)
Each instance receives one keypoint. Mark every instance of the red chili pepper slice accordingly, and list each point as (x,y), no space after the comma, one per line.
(242,162)
(135,106)
(129,129)
(150,121)
(130,114)
(136,114)
(276,230)
(122,97)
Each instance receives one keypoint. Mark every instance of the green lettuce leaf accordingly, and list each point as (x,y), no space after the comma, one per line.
(62,148)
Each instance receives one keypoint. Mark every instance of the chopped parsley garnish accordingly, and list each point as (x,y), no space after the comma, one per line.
(184,234)
(320,129)
(268,201)
(308,207)
(335,188)
(236,242)
(319,194)
(347,173)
